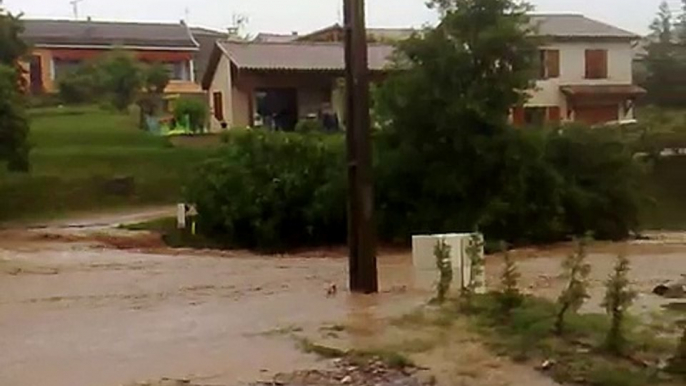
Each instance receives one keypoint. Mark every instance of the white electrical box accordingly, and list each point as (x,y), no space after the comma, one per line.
(424,260)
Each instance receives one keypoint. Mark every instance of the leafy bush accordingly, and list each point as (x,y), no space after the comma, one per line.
(576,271)
(193,108)
(14,126)
(445,269)
(541,187)
(506,189)
(603,183)
(122,78)
(81,86)
(677,364)
(618,299)
(273,190)
(309,126)
(446,159)
(509,296)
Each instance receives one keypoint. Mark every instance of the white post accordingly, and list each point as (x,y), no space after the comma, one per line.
(181,216)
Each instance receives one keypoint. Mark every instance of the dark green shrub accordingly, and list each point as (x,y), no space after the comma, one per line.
(618,299)
(79,87)
(193,108)
(273,190)
(603,183)
(532,187)
(500,184)
(14,126)
(309,126)
(576,271)
(445,270)
(509,297)
(122,78)
(677,364)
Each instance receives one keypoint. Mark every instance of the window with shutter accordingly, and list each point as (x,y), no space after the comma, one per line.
(218,105)
(596,64)
(549,61)
(553,63)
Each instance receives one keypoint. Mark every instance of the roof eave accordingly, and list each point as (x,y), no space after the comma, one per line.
(215,57)
(589,37)
(114,46)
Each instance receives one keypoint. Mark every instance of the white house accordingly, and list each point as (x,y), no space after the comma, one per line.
(585,74)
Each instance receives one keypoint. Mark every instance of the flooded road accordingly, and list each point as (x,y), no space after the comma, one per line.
(75,311)
(651,265)
(72,314)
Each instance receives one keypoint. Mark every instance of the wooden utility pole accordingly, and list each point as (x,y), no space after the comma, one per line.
(361,227)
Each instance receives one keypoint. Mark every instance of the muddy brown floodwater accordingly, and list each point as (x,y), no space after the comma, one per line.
(76,310)
(77,314)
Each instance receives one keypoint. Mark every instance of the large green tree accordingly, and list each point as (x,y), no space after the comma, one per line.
(444,121)
(122,78)
(14,149)
(665,61)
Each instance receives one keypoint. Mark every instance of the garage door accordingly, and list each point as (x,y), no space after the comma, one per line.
(594,115)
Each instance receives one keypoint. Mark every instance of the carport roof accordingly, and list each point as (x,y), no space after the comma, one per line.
(299,56)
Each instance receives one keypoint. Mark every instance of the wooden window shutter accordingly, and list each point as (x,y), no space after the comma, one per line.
(554,114)
(596,64)
(518,116)
(218,105)
(602,63)
(553,63)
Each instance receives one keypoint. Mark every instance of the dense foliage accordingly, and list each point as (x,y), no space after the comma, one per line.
(575,270)
(553,185)
(14,127)
(677,364)
(309,126)
(84,85)
(117,78)
(602,189)
(618,298)
(665,61)
(446,159)
(509,297)
(194,110)
(122,79)
(273,190)
(445,270)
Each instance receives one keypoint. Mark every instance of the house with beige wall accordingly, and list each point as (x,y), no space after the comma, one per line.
(585,73)
(277,84)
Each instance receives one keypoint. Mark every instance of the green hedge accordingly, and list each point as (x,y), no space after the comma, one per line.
(274,191)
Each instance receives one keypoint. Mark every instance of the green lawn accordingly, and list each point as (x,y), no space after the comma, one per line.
(76,154)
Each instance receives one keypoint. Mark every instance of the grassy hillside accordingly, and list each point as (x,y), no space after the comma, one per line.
(87,159)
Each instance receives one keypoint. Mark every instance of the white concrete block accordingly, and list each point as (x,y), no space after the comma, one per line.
(424,261)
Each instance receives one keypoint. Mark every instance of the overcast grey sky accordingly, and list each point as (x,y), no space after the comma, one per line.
(306,15)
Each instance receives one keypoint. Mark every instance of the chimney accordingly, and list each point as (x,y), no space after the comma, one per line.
(294,33)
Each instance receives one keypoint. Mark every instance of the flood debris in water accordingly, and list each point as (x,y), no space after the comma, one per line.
(672,290)
(372,372)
